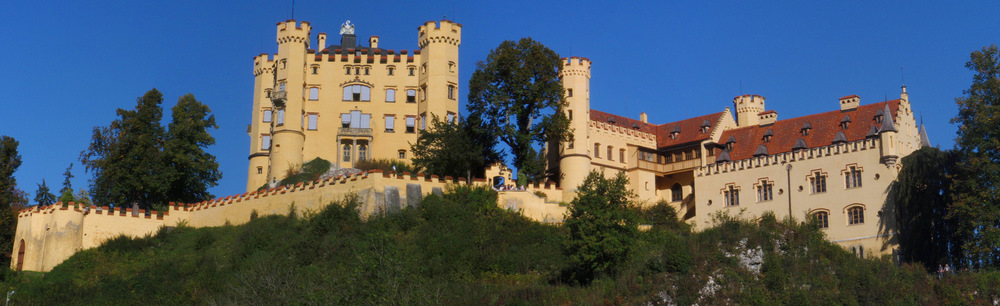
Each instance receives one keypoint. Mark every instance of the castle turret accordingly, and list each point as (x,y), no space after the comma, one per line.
(287,97)
(747,107)
(260,127)
(438,71)
(888,135)
(574,163)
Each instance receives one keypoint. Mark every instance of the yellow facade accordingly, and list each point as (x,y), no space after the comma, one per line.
(693,164)
(347,102)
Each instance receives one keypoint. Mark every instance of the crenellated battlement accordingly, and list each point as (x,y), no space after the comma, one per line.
(788,157)
(263,63)
(371,56)
(631,135)
(444,31)
(290,31)
(575,66)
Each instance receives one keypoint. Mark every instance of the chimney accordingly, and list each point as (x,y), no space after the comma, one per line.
(373,42)
(849,102)
(322,43)
(643,117)
(348,41)
(767,117)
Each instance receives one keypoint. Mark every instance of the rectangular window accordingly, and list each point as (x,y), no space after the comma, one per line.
(357,93)
(822,219)
(732,196)
(265,142)
(423,93)
(402,154)
(423,122)
(281,116)
(765,191)
(621,155)
(366,70)
(818,182)
(451,117)
(313,93)
(411,96)
(411,122)
(853,177)
(597,150)
(267,115)
(315,69)
(313,118)
(366,121)
(345,120)
(412,70)
(610,156)
(348,71)
(390,124)
(855,215)
(451,92)
(390,95)
(391,70)
(569,92)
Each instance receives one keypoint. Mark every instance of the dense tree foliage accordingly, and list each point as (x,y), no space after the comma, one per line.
(12,198)
(922,196)
(602,227)
(452,149)
(44,196)
(518,95)
(976,204)
(135,161)
(194,170)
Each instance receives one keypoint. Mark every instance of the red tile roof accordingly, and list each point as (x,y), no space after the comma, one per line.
(824,129)
(690,130)
(625,122)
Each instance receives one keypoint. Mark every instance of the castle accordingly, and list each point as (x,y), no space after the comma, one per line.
(347,103)
(836,167)
(342,103)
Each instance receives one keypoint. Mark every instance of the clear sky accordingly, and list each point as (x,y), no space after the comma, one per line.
(69,64)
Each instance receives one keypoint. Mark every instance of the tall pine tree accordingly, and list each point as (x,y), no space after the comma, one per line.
(977,196)
(43,196)
(127,159)
(194,169)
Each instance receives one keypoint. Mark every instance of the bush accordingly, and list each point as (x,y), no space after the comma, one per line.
(385,165)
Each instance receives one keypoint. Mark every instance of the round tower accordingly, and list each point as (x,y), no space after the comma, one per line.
(438,69)
(747,107)
(288,98)
(574,162)
(260,131)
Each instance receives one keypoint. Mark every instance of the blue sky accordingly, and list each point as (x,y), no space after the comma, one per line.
(69,64)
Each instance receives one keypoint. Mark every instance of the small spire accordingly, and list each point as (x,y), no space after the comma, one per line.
(761,151)
(887,124)
(872,132)
(800,144)
(924,140)
(840,138)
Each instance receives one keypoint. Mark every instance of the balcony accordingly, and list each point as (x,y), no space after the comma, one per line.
(279,97)
(354,132)
(669,168)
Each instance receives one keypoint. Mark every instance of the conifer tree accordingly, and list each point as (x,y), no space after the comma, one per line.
(43,196)
(977,196)
(66,193)
(127,159)
(194,169)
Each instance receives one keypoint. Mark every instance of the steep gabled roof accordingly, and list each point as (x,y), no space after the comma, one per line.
(824,130)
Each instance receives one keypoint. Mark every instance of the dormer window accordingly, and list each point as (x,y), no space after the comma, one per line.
(730,143)
(805,128)
(611,120)
(705,125)
(767,135)
(845,122)
(635,126)
(675,132)
(878,116)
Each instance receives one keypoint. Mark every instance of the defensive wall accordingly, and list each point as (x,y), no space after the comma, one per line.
(48,235)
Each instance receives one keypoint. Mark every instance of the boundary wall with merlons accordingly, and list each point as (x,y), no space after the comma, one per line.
(48,235)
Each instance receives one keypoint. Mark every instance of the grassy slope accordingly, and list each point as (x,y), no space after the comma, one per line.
(460,249)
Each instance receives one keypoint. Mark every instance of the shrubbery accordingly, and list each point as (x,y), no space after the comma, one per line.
(461,248)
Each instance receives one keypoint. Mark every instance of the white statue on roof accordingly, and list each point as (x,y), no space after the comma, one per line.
(347,28)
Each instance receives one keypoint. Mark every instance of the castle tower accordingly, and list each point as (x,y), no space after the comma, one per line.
(574,162)
(260,133)
(747,107)
(288,98)
(438,70)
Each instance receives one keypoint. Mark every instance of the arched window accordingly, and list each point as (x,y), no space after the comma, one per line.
(20,256)
(856,215)
(822,219)
(357,93)
(362,152)
(610,155)
(347,153)
(676,193)
(731,195)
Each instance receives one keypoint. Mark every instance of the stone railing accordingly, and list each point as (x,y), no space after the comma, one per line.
(355,132)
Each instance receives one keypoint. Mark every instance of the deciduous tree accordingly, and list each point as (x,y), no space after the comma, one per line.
(452,149)
(12,199)
(977,197)
(518,95)
(602,227)
(921,196)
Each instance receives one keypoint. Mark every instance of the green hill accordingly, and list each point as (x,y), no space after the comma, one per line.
(462,249)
